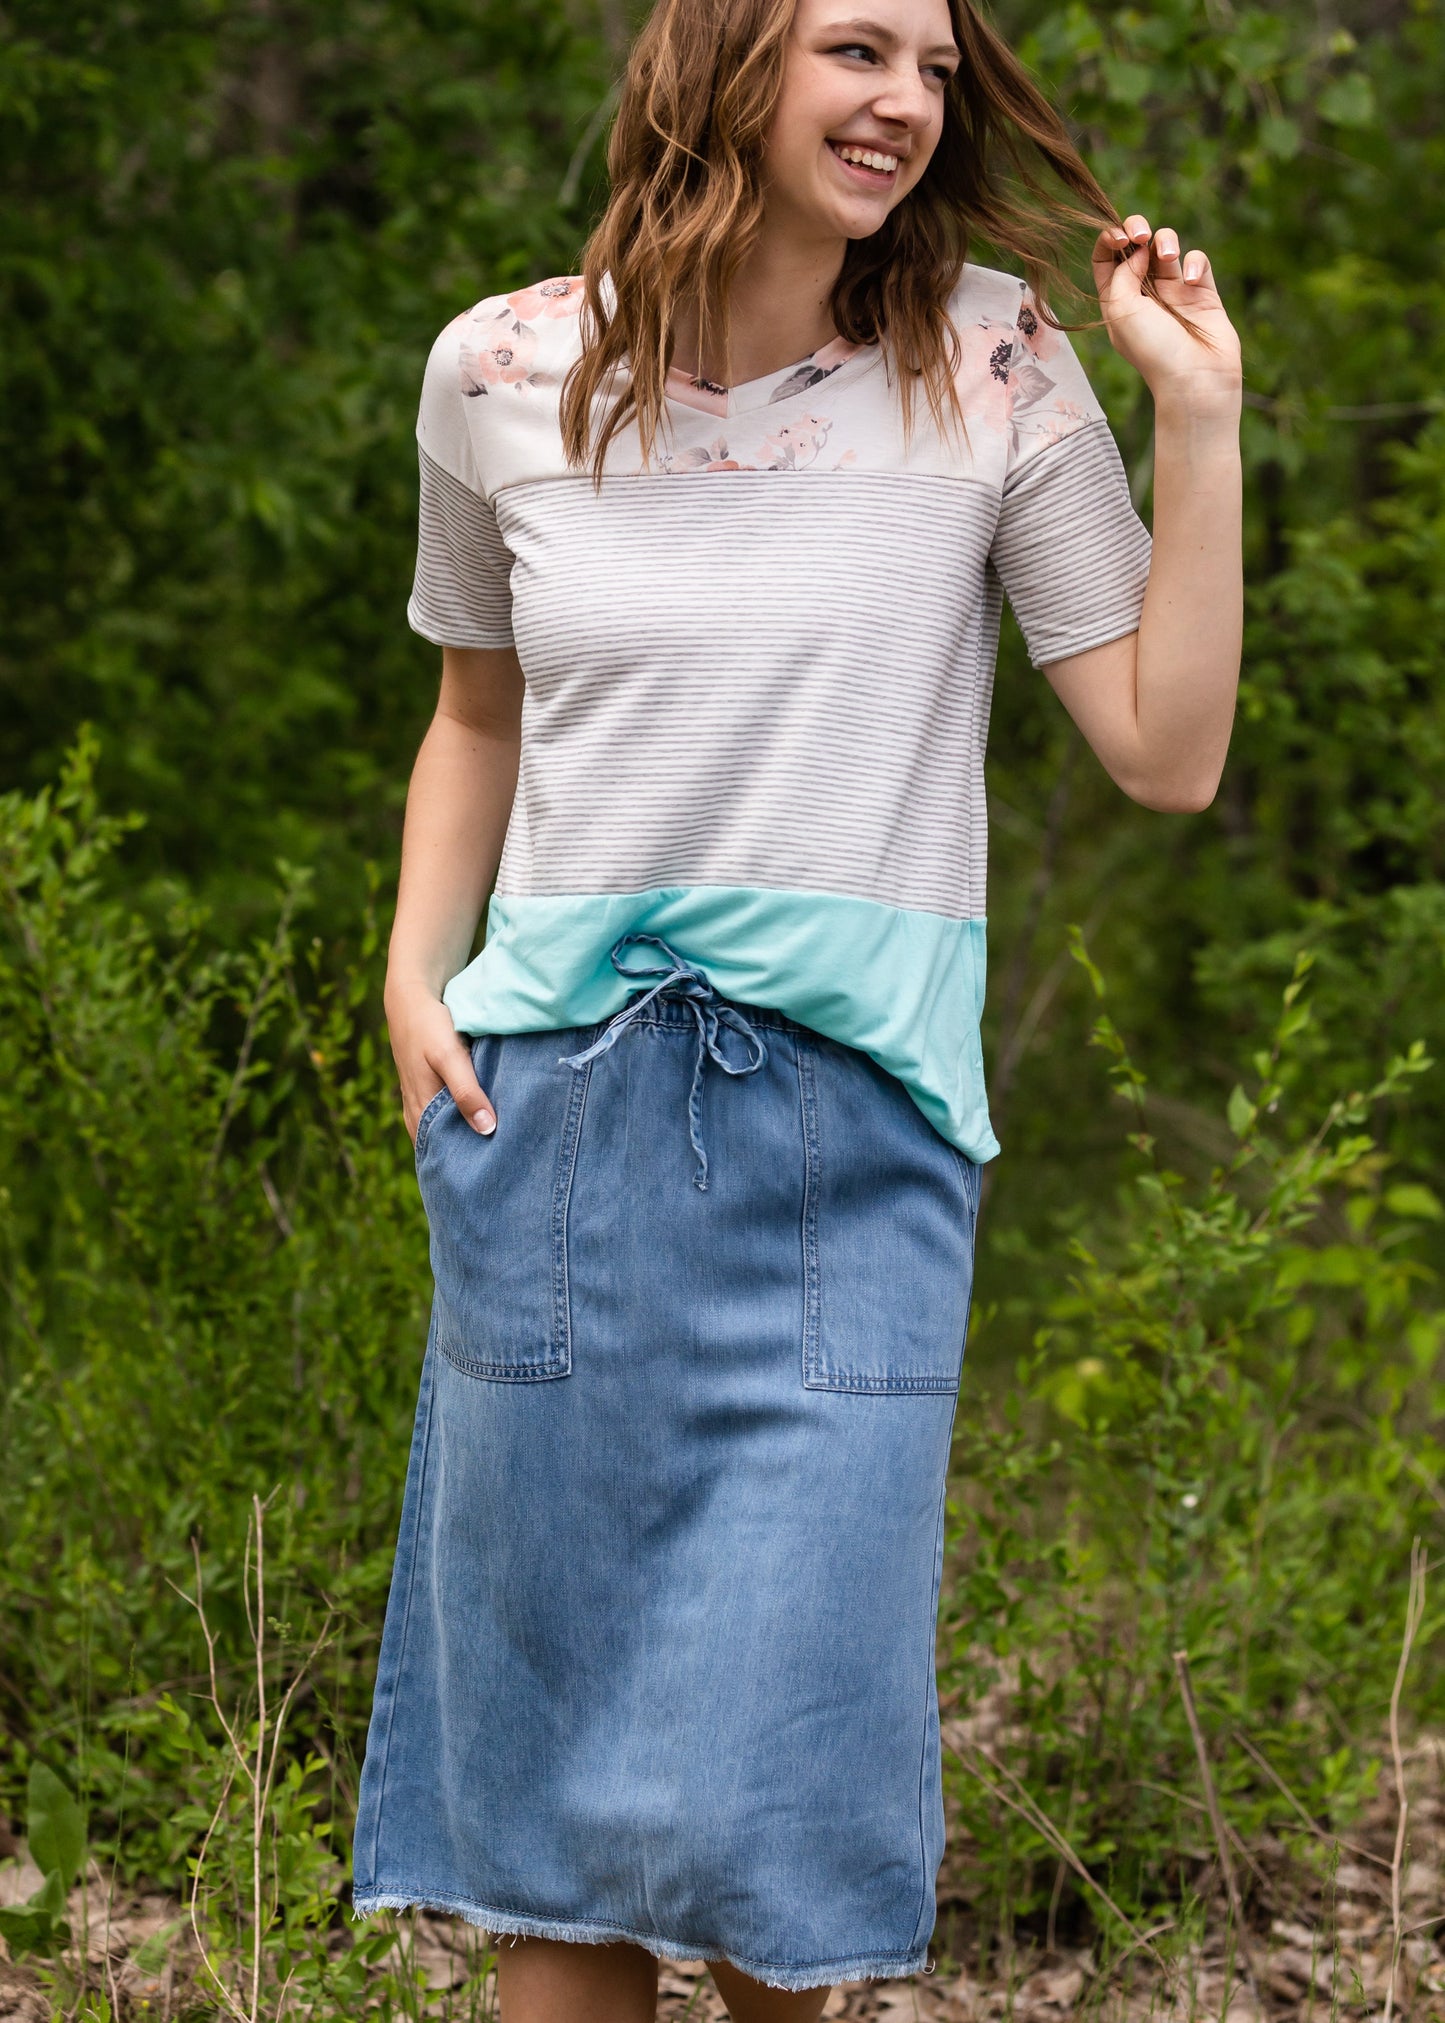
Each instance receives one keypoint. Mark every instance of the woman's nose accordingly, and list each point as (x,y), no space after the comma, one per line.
(904,101)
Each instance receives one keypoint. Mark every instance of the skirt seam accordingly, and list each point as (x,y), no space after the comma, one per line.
(812,1156)
(561,1216)
(793,1977)
(930,1689)
(406,1619)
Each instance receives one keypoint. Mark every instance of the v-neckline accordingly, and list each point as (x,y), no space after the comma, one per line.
(829,363)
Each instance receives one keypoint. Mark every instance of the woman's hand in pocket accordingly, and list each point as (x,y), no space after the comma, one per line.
(430,1055)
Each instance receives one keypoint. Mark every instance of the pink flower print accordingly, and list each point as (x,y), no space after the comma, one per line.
(837,351)
(697,393)
(823,362)
(1040,337)
(497,350)
(987,351)
(797,443)
(562,297)
(1028,383)
(714,457)
(1061,420)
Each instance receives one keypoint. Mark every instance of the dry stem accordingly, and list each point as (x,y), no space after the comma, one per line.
(1414,1611)
(1028,1808)
(1217,1822)
(256,1763)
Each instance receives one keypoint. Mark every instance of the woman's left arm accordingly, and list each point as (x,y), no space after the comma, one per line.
(1157,706)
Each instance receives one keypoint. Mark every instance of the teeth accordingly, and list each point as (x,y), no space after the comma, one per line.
(868,159)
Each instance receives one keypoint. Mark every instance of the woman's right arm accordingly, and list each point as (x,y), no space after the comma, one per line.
(457,809)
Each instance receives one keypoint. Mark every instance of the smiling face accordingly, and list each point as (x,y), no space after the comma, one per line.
(859,114)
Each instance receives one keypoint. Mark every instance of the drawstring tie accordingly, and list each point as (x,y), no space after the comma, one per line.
(696,991)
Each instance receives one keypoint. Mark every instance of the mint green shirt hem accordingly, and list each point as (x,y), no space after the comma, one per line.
(903,986)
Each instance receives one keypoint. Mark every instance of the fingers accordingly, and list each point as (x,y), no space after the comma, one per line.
(455,1069)
(1134,252)
(1135,245)
(1164,264)
(1109,255)
(1121,256)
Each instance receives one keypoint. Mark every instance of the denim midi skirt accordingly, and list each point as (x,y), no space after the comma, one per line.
(658,1661)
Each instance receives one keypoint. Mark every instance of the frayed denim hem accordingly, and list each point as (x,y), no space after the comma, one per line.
(513,1924)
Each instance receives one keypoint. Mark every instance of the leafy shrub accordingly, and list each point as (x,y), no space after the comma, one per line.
(214,1262)
(1225,1436)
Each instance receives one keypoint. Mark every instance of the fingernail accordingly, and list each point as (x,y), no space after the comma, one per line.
(485,1122)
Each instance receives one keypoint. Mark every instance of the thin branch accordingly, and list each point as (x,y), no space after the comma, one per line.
(1414,1612)
(1330,1839)
(226,1996)
(1423,1476)
(1216,1820)
(259,999)
(258,1795)
(1374,410)
(276,1205)
(198,1604)
(1237,1840)
(1027,1808)
(591,133)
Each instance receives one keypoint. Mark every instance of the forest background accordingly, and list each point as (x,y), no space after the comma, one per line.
(1204,1403)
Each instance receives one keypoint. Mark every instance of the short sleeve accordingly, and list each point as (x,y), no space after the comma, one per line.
(1069,548)
(462,593)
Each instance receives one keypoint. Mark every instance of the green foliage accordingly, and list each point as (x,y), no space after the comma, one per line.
(1206,1402)
(55,1829)
(1218,1443)
(1295,148)
(215,1268)
(231,236)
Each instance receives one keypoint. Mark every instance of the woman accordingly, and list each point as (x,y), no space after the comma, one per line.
(699,1130)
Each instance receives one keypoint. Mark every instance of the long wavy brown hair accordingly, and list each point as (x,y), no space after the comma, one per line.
(686,166)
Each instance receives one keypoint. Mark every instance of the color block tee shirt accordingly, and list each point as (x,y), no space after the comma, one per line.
(758,671)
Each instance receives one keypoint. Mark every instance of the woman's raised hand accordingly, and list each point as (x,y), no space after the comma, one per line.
(431,1055)
(1205,371)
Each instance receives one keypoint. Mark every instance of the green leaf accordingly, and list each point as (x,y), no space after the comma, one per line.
(1348,100)
(1126,82)
(50,1897)
(1279,137)
(1080,953)
(55,1825)
(1419,1203)
(1240,1113)
(25,1930)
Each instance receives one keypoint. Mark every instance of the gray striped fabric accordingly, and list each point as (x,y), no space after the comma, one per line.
(462,594)
(1070,551)
(808,712)
(804,705)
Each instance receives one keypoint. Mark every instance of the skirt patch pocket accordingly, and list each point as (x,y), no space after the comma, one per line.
(497,1211)
(888,1233)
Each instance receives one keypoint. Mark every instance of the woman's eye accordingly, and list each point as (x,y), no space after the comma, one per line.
(856,49)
